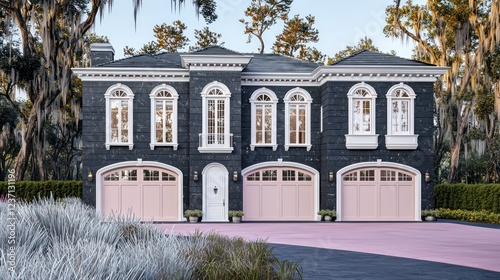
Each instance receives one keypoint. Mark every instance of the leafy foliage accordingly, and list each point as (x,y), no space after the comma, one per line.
(235,213)
(297,33)
(29,190)
(205,38)
(481,216)
(169,38)
(468,197)
(263,15)
(364,44)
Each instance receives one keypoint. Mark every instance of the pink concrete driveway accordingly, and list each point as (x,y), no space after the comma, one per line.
(449,243)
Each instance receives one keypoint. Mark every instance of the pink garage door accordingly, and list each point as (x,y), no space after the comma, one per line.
(148,193)
(278,193)
(378,194)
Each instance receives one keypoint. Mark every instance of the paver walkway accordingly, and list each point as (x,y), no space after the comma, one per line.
(444,243)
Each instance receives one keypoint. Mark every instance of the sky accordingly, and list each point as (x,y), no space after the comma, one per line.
(340,23)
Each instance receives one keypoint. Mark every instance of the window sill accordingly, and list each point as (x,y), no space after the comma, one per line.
(308,146)
(153,145)
(220,150)
(401,142)
(274,146)
(130,145)
(361,142)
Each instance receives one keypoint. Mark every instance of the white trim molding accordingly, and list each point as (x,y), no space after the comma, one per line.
(378,164)
(306,101)
(132,74)
(358,95)
(174,96)
(139,163)
(281,163)
(129,97)
(403,137)
(204,62)
(271,101)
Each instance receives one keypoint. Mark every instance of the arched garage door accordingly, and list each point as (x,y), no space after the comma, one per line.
(379,194)
(276,193)
(149,193)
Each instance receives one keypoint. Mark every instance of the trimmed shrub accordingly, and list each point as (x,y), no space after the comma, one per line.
(468,197)
(30,190)
(470,216)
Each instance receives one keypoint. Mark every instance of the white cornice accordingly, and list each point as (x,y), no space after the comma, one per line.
(200,62)
(132,74)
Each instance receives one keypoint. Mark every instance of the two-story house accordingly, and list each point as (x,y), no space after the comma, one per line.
(277,137)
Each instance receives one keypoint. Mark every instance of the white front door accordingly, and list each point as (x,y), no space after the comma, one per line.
(215,193)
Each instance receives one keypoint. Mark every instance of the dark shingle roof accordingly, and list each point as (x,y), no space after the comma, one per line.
(144,61)
(277,63)
(371,58)
(215,50)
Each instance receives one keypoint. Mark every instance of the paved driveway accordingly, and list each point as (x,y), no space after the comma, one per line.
(339,244)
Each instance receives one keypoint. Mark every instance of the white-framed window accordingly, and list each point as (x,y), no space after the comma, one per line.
(119,116)
(361,134)
(400,118)
(264,120)
(216,136)
(297,119)
(164,116)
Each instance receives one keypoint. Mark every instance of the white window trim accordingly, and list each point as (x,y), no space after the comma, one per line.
(364,141)
(254,103)
(175,97)
(407,141)
(204,148)
(130,98)
(309,100)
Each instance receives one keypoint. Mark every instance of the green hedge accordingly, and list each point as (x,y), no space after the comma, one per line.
(470,216)
(468,197)
(29,190)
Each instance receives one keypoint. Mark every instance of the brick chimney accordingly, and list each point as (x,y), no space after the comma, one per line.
(101,53)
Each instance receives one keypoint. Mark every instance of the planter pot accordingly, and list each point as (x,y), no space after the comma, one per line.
(193,219)
(236,219)
(430,219)
(328,218)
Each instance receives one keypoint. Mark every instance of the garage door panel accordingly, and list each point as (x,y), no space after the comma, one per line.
(367,202)
(131,200)
(270,201)
(406,202)
(350,201)
(251,206)
(306,201)
(152,201)
(170,195)
(289,201)
(110,199)
(388,201)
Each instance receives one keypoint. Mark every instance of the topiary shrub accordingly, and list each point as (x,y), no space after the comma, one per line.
(30,190)
(468,197)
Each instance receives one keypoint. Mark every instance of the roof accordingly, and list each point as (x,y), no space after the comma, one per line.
(372,58)
(145,61)
(215,50)
(277,63)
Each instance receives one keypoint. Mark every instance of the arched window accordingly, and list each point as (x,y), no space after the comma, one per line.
(164,116)
(263,103)
(400,118)
(362,117)
(119,116)
(216,136)
(298,119)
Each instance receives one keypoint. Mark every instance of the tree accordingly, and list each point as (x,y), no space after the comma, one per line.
(170,38)
(205,38)
(263,15)
(459,34)
(363,44)
(297,33)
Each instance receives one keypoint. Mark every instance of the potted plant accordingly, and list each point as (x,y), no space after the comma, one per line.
(193,215)
(327,215)
(236,215)
(430,215)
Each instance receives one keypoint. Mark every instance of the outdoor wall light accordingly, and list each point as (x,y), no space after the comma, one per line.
(216,189)
(235,175)
(90,176)
(195,176)
(330,176)
(427,176)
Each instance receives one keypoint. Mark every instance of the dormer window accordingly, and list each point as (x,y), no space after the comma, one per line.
(361,116)
(400,118)
(164,117)
(119,116)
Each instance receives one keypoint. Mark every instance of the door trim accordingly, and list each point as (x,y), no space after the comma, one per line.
(280,163)
(204,187)
(139,163)
(378,164)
